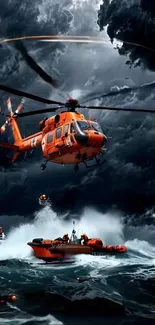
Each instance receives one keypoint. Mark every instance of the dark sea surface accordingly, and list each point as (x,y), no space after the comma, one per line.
(43,291)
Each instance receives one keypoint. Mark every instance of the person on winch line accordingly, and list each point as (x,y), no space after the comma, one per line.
(43,197)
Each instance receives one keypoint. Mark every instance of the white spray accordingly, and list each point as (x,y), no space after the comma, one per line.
(46,225)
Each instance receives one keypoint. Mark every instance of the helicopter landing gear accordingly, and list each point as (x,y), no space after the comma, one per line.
(77,168)
(98,163)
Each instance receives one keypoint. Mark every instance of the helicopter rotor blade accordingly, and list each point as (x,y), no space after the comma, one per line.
(39,111)
(64,38)
(123,90)
(34,66)
(28,95)
(58,38)
(73,39)
(141,110)
(53,109)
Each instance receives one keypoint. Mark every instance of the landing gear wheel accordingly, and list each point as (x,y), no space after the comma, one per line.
(43,167)
(76,168)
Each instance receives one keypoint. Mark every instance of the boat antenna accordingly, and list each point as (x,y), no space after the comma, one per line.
(73,231)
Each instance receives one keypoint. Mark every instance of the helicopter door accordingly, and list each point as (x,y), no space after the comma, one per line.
(54,141)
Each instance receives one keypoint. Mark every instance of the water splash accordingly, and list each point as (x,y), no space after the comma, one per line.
(46,225)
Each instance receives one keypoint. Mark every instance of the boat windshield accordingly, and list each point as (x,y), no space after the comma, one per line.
(84,125)
(96,127)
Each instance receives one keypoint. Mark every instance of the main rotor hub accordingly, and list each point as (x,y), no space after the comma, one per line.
(72,104)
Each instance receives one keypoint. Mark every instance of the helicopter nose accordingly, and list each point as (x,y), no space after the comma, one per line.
(96,139)
(104,141)
(81,139)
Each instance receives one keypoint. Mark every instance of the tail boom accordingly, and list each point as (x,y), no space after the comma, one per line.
(31,142)
(15,130)
(9,146)
(26,144)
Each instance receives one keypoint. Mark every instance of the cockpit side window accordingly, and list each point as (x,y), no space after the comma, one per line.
(96,127)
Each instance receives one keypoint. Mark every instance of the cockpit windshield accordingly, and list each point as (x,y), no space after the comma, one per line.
(96,127)
(83,125)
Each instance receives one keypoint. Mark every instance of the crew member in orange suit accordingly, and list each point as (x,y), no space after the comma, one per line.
(85,239)
(65,238)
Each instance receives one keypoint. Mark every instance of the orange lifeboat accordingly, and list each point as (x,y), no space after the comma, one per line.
(52,250)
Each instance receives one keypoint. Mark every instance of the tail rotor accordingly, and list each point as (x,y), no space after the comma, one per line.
(11,114)
(11,121)
(9,105)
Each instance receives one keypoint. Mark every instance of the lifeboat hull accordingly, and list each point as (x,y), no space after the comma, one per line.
(52,251)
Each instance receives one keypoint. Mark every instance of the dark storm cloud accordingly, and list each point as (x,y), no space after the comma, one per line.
(28,18)
(132,21)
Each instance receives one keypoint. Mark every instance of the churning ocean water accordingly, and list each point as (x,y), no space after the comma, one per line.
(51,294)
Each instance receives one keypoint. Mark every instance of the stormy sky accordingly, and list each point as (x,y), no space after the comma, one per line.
(126,181)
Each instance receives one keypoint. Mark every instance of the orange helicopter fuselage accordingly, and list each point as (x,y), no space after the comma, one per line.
(66,138)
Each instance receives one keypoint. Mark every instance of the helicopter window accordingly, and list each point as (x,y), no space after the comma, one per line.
(50,137)
(84,125)
(73,128)
(66,129)
(58,133)
(96,127)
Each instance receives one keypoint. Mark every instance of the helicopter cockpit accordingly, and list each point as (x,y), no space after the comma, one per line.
(84,125)
(96,126)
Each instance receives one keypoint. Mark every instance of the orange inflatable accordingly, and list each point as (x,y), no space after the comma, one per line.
(52,250)
(96,242)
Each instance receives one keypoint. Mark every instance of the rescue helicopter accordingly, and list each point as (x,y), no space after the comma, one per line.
(67,137)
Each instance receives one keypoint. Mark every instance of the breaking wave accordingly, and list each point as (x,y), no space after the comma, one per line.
(109,227)
(111,277)
(47,225)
